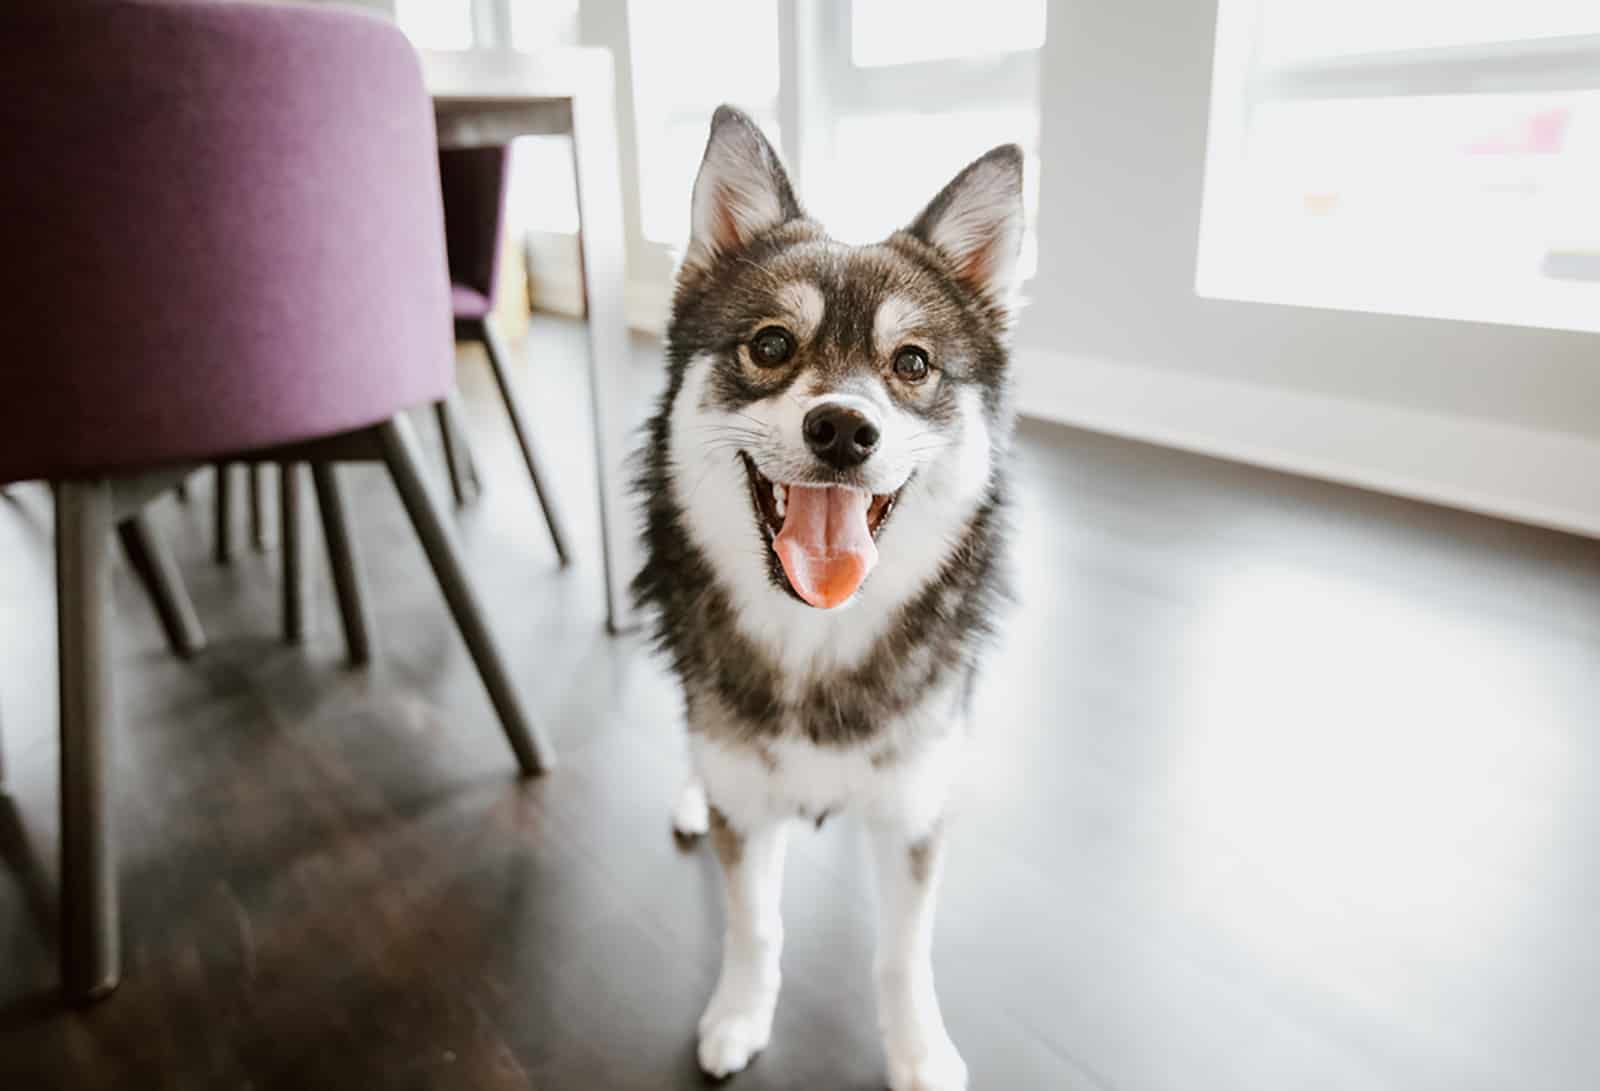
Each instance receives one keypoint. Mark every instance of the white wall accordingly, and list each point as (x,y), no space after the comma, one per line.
(1114,316)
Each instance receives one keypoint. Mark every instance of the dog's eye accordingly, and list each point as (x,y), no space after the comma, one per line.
(771,346)
(911,364)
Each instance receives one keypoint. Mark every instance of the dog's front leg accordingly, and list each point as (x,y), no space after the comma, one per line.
(920,1054)
(737,1023)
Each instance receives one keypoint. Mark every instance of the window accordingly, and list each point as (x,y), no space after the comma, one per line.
(908,93)
(874,104)
(890,98)
(884,32)
(544,197)
(1425,157)
(541,24)
(468,24)
(688,58)
(1303,30)
(436,24)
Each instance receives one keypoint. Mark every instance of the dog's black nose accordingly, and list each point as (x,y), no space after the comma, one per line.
(840,436)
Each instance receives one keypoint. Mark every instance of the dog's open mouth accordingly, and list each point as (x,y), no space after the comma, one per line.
(824,536)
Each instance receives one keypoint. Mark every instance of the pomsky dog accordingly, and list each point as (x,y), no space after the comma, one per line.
(824,496)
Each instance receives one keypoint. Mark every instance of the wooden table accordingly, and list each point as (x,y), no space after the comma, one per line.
(490,97)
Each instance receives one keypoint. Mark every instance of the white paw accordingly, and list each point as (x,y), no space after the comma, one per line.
(937,1069)
(692,816)
(728,1040)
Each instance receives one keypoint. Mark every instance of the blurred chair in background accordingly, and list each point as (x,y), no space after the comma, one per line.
(473,185)
(212,257)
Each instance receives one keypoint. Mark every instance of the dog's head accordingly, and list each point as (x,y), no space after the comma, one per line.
(836,411)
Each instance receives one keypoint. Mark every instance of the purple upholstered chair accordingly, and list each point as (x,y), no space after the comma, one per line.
(223,241)
(473,184)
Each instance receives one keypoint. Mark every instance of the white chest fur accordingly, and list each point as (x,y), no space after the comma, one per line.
(892,779)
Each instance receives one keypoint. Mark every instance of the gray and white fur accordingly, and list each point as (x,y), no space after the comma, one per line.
(799,362)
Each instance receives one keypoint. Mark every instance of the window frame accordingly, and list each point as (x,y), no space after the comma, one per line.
(826,85)
(1242,83)
(818,83)
(1522,66)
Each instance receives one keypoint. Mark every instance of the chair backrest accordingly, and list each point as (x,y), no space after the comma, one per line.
(221,230)
(472,182)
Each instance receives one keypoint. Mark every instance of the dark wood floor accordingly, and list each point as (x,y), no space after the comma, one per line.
(1281,786)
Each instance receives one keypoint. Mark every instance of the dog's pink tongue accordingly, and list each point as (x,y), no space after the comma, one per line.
(824,545)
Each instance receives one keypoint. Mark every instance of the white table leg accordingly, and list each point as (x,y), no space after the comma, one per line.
(600,243)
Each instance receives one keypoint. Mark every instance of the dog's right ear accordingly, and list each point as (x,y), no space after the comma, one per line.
(740,193)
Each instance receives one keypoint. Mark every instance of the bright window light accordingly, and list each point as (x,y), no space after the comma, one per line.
(1295,30)
(886,166)
(885,32)
(1415,157)
(541,24)
(436,24)
(914,92)
(544,195)
(687,59)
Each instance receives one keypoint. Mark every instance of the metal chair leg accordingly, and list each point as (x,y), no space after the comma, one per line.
(152,563)
(463,438)
(403,456)
(347,583)
(458,459)
(497,364)
(90,942)
(224,513)
(258,507)
(289,528)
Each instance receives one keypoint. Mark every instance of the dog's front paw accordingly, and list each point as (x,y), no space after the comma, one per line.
(728,1040)
(939,1068)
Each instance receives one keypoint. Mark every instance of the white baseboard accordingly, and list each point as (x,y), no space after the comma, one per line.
(1543,478)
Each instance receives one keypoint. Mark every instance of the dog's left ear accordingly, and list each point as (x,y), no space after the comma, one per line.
(976,223)
(741,190)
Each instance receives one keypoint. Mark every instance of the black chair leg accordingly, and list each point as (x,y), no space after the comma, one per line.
(152,563)
(347,583)
(457,454)
(289,534)
(403,456)
(463,438)
(224,513)
(90,942)
(497,364)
